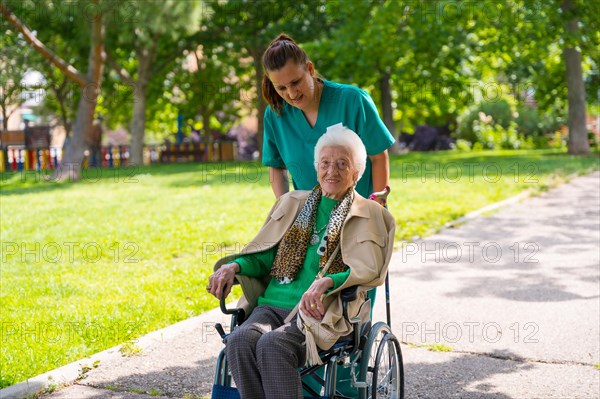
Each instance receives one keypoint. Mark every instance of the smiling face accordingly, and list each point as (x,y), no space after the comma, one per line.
(336,172)
(295,84)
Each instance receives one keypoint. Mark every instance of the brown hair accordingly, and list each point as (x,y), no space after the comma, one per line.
(280,51)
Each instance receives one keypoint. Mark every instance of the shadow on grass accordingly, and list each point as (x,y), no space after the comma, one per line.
(447,164)
(26,182)
(523,166)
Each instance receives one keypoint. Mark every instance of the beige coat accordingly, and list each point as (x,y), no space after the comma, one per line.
(367,242)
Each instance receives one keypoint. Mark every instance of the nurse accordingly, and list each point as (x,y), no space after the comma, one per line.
(301,107)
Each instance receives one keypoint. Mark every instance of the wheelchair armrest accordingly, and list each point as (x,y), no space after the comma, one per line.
(349,294)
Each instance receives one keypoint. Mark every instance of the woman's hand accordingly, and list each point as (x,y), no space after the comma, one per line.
(311,303)
(221,281)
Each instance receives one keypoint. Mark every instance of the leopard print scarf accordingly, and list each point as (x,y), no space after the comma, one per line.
(293,246)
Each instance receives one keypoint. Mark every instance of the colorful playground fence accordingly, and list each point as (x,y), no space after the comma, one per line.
(19,158)
(16,159)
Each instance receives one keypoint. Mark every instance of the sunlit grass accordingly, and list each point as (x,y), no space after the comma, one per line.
(89,265)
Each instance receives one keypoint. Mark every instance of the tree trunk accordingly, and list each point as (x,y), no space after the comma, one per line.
(72,159)
(10,97)
(262,105)
(145,58)
(138,126)
(136,150)
(206,125)
(60,98)
(386,106)
(4,118)
(578,140)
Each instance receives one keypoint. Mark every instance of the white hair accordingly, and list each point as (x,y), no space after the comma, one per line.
(340,136)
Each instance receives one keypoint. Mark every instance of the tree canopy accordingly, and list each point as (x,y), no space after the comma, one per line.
(424,62)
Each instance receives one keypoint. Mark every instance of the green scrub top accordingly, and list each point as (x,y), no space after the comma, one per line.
(289,140)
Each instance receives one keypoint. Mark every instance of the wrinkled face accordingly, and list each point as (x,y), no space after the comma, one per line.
(336,172)
(295,84)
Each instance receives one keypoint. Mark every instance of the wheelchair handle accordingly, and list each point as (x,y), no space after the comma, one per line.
(224,306)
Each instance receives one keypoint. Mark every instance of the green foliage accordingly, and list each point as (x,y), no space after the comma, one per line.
(16,60)
(163,122)
(423,56)
(557,140)
(503,125)
(532,122)
(60,24)
(149,40)
(61,97)
(494,136)
(463,145)
(439,348)
(130,348)
(439,56)
(500,111)
(205,93)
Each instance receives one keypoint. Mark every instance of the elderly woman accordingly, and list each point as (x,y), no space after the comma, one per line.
(329,227)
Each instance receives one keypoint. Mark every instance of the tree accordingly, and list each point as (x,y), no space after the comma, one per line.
(373,30)
(546,47)
(204,86)
(244,29)
(409,55)
(60,99)
(161,32)
(89,82)
(578,140)
(61,94)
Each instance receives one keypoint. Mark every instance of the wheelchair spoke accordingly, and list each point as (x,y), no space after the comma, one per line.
(387,374)
(381,365)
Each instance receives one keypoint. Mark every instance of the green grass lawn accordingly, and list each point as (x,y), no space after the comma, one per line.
(91,264)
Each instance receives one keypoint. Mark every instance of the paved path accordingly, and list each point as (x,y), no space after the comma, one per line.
(515,296)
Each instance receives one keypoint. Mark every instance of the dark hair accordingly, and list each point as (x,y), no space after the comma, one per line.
(280,51)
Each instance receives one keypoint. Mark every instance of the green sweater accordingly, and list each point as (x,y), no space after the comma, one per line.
(288,295)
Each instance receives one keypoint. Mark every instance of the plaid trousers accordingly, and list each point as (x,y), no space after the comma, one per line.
(264,355)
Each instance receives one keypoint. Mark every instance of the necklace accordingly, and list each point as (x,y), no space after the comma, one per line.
(314,239)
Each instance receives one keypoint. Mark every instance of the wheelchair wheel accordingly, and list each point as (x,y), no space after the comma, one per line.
(381,365)
(222,375)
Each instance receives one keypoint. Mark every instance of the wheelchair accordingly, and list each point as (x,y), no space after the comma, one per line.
(371,353)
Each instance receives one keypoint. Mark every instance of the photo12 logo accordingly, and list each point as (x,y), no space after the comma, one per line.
(453,172)
(470,251)
(469,331)
(61,332)
(55,252)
